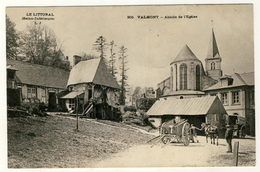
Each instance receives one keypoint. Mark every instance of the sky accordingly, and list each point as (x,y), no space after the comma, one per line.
(152,43)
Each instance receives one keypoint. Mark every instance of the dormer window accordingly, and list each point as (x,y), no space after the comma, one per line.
(226,81)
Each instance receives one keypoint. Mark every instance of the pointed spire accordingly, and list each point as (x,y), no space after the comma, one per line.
(213,47)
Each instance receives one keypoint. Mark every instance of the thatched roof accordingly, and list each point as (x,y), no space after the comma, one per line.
(92,71)
(39,75)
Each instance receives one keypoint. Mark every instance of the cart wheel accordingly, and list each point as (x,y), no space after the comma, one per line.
(185,134)
(166,140)
(242,132)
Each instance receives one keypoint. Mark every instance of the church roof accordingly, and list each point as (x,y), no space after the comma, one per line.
(92,71)
(185,54)
(213,47)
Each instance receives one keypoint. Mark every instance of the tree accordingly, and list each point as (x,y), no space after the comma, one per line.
(123,75)
(11,40)
(112,60)
(40,46)
(100,45)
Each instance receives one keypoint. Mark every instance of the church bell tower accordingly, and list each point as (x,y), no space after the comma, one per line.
(213,59)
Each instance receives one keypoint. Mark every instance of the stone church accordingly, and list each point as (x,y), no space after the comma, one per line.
(189,79)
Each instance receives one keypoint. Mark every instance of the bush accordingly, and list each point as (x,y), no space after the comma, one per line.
(34,108)
(129,108)
(145,103)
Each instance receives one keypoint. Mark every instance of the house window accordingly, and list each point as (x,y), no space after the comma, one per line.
(71,104)
(43,95)
(224,98)
(70,88)
(10,83)
(31,92)
(183,77)
(212,66)
(235,96)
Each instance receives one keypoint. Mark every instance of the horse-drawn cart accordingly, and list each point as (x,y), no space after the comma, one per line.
(171,131)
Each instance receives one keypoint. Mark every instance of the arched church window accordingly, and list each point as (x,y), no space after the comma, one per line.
(183,77)
(175,69)
(171,77)
(213,66)
(197,77)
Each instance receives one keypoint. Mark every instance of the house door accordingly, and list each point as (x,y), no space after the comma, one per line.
(52,100)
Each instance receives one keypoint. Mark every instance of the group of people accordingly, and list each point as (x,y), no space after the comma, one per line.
(206,127)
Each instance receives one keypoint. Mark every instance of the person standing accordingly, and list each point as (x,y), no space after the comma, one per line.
(228,137)
(193,133)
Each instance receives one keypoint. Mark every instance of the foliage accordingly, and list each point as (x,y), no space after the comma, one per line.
(11,39)
(40,46)
(145,103)
(34,108)
(129,108)
(100,45)
(88,57)
(123,75)
(112,60)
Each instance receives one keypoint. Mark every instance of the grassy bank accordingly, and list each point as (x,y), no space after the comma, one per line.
(53,142)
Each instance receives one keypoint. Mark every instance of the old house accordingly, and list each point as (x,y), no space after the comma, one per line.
(93,89)
(36,83)
(236,93)
(188,79)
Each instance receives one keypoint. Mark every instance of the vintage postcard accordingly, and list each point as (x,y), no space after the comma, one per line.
(137,86)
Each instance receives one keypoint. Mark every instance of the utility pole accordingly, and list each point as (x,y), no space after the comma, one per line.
(77,111)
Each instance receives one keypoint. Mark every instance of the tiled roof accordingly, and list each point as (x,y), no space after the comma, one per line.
(189,106)
(92,71)
(33,74)
(238,80)
(248,78)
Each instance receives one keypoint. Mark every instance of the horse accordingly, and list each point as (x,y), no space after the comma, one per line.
(205,127)
(213,133)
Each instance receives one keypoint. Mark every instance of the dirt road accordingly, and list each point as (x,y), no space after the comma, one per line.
(178,155)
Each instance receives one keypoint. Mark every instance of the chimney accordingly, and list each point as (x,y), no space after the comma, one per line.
(76,60)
